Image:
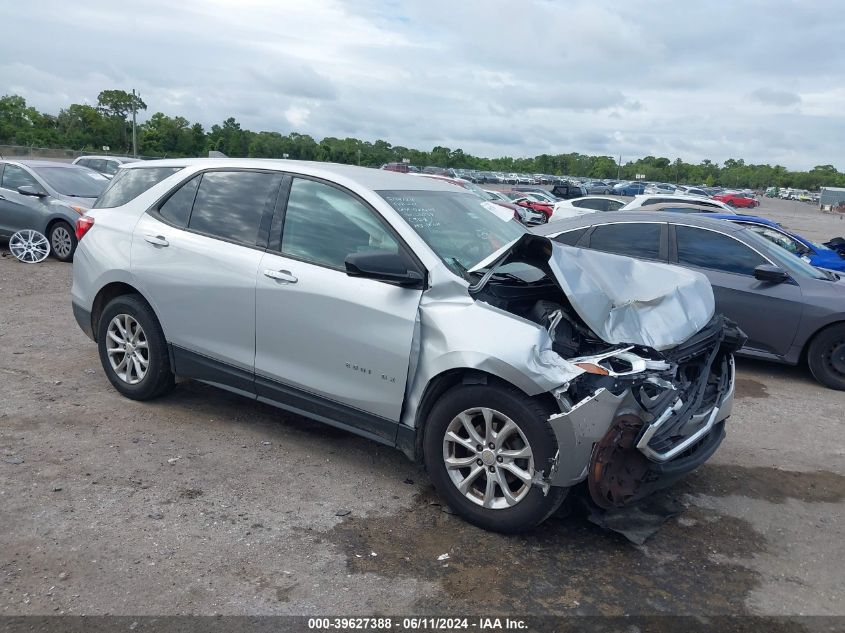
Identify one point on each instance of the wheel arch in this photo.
(52, 221)
(439, 385)
(107, 293)
(840, 321)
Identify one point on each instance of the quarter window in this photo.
(631, 239)
(230, 204)
(708, 249)
(324, 225)
(14, 177)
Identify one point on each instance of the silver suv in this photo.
(414, 314)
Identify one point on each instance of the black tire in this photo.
(62, 237)
(826, 357)
(159, 378)
(531, 416)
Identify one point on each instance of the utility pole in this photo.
(134, 137)
(619, 167)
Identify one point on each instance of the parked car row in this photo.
(512, 364)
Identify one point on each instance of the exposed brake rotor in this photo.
(617, 468)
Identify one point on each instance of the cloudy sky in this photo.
(760, 80)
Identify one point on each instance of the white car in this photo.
(692, 191)
(646, 200)
(660, 187)
(582, 206)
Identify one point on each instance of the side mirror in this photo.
(29, 190)
(772, 274)
(388, 267)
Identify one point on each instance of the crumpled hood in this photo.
(622, 300)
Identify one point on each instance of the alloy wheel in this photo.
(488, 458)
(127, 349)
(29, 246)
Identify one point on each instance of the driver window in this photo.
(779, 238)
(324, 225)
(14, 177)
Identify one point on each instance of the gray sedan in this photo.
(47, 197)
(789, 309)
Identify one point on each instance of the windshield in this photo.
(795, 266)
(459, 227)
(73, 181)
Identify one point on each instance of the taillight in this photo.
(83, 225)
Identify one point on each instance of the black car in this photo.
(568, 190)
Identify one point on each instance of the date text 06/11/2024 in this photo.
(428, 623)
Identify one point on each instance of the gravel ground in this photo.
(204, 502)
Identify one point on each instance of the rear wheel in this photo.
(826, 357)
(133, 350)
(483, 445)
(62, 241)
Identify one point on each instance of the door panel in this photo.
(768, 313)
(347, 339)
(18, 211)
(202, 289)
(344, 338)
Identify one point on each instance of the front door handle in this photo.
(158, 240)
(280, 275)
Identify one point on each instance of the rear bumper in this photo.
(83, 319)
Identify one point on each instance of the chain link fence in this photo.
(51, 153)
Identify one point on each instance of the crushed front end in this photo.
(641, 431)
(651, 369)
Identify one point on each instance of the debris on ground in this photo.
(443, 557)
(638, 522)
(343, 513)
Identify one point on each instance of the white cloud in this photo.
(697, 80)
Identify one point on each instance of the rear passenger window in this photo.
(631, 239)
(596, 204)
(230, 204)
(570, 238)
(324, 225)
(177, 208)
(131, 183)
(708, 249)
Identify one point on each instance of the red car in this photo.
(519, 197)
(737, 200)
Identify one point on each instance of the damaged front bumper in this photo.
(641, 431)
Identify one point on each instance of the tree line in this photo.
(84, 127)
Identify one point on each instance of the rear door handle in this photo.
(158, 240)
(280, 275)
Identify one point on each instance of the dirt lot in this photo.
(207, 503)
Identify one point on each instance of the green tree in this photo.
(117, 105)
